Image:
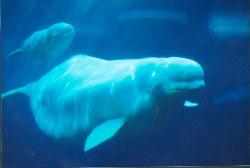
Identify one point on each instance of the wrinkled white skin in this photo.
(48, 44)
(84, 91)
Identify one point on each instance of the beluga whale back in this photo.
(90, 94)
(47, 44)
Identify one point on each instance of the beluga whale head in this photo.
(175, 76)
(50, 43)
(61, 32)
(181, 74)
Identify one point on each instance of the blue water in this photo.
(210, 134)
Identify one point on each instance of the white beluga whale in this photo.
(89, 94)
(47, 44)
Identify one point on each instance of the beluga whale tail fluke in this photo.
(47, 44)
(88, 94)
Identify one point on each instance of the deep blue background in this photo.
(207, 135)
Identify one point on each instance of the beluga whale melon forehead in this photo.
(90, 94)
(47, 44)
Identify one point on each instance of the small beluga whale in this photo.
(47, 44)
(90, 94)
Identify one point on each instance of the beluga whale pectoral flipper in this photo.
(90, 94)
(47, 44)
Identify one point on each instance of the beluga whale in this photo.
(47, 44)
(88, 94)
